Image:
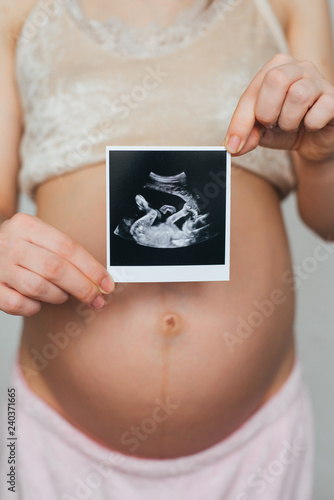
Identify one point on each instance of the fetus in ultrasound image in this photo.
(167, 215)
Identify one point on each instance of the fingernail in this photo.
(107, 286)
(98, 302)
(233, 144)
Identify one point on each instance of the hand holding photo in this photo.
(168, 214)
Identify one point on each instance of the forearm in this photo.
(316, 194)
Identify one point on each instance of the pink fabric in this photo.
(269, 457)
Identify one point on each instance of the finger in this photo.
(41, 234)
(59, 272)
(301, 96)
(34, 286)
(14, 303)
(243, 119)
(321, 114)
(242, 124)
(273, 91)
(276, 138)
(253, 140)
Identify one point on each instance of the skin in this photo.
(170, 341)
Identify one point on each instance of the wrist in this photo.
(314, 158)
(314, 171)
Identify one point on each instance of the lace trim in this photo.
(116, 36)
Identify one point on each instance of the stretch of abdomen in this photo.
(166, 369)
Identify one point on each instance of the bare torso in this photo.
(204, 353)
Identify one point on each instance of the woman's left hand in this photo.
(288, 105)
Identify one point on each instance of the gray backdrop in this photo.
(314, 329)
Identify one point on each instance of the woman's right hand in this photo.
(41, 264)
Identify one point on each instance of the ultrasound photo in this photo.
(168, 214)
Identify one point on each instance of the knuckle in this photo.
(281, 58)
(265, 119)
(286, 125)
(22, 220)
(13, 303)
(53, 268)
(16, 219)
(299, 93)
(308, 65)
(310, 125)
(276, 78)
(67, 247)
(328, 102)
(36, 286)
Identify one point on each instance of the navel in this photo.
(171, 325)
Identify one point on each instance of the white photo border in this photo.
(160, 274)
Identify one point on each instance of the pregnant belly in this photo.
(166, 369)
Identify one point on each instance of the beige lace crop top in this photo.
(86, 83)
